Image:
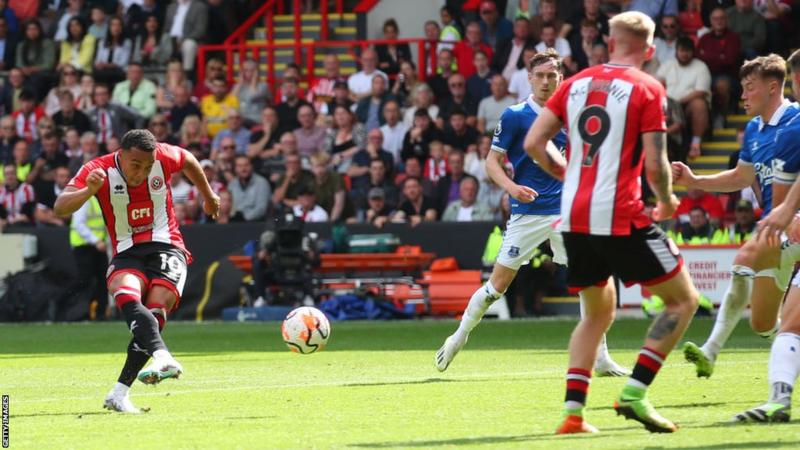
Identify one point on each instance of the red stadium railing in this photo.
(425, 49)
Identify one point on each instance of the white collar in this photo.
(534, 106)
(776, 116)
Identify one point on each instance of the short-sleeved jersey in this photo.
(759, 149)
(605, 109)
(786, 164)
(137, 214)
(509, 136)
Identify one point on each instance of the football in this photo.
(306, 330)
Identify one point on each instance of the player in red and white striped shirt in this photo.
(615, 119)
(148, 271)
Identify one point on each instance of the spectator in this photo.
(70, 117)
(113, 53)
(459, 135)
(109, 119)
(192, 134)
(391, 55)
(10, 17)
(584, 44)
(591, 11)
(423, 99)
(478, 84)
(750, 26)
(72, 144)
(146, 50)
(44, 126)
(405, 83)
(675, 131)
(174, 79)
(159, 126)
(341, 97)
(84, 100)
(689, 81)
(700, 198)
(99, 20)
(467, 208)
(67, 81)
(59, 28)
(431, 49)
(368, 110)
(307, 208)
(8, 46)
(36, 55)
(445, 62)
(27, 117)
(521, 8)
(215, 68)
(447, 190)
(547, 14)
(655, 9)
(216, 106)
(293, 181)
(475, 162)
(393, 131)
(22, 160)
(691, 18)
(17, 199)
(721, 51)
(458, 100)
(377, 212)
(666, 43)
(46, 196)
(413, 169)
(222, 20)
(495, 29)
(11, 90)
(89, 150)
(253, 93)
(225, 159)
(287, 110)
(745, 224)
(491, 194)
(551, 39)
(508, 58)
(321, 90)
(292, 71)
(491, 108)
(182, 107)
(464, 51)
(77, 49)
(226, 211)
(436, 165)
(266, 135)
(699, 231)
(377, 177)
(136, 92)
(195, 201)
(599, 55)
(519, 86)
(330, 188)
(451, 31)
(185, 27)
(360, 83)
(250, 192)
(361, 160)
(420, 136)
(239, 133)
(344, 139)
(180, 188)
(310, 137)
(8, 137)
(777, 18)
(415, 207)
(51, 158)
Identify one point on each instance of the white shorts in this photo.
(524, 233)
(790, 254)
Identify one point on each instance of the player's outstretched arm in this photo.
(72, 198)
(658, 172)
(729, 180)
(494, 168)
(536, 144)
(193, 171)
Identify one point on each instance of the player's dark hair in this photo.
(139, 139)
(793, 62)
(549, 25)
(685, 43)
(472, 178)
(770, 66)
(549, 55)
(588, 23)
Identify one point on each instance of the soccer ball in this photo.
(306, 330)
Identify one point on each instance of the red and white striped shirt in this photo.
(605, 109)
(26, 124)
(138, 214)
(14, 200)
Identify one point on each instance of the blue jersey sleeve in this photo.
(504, 132)
(786, 164)
(750, 134)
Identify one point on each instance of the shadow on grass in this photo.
(76, 414)
(733, 445)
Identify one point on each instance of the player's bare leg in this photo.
(599, 311)
(680, 298)
(160, 299)
(744, 285)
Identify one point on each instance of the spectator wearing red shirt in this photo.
(698, 197)
(721, 50)
(464, 51)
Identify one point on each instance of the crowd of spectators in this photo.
(384, 144)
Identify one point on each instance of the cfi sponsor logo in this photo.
(156, 183)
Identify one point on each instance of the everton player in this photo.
(148, 270)
(614, 115)
(535, 205)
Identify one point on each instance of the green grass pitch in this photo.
(375, 386)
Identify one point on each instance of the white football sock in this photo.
(736, 299)
(120, 390)
(478, 304)
(158, 354)
(784, 367)
(602, 349)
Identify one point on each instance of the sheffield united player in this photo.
(148, 269)
(614, 115)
